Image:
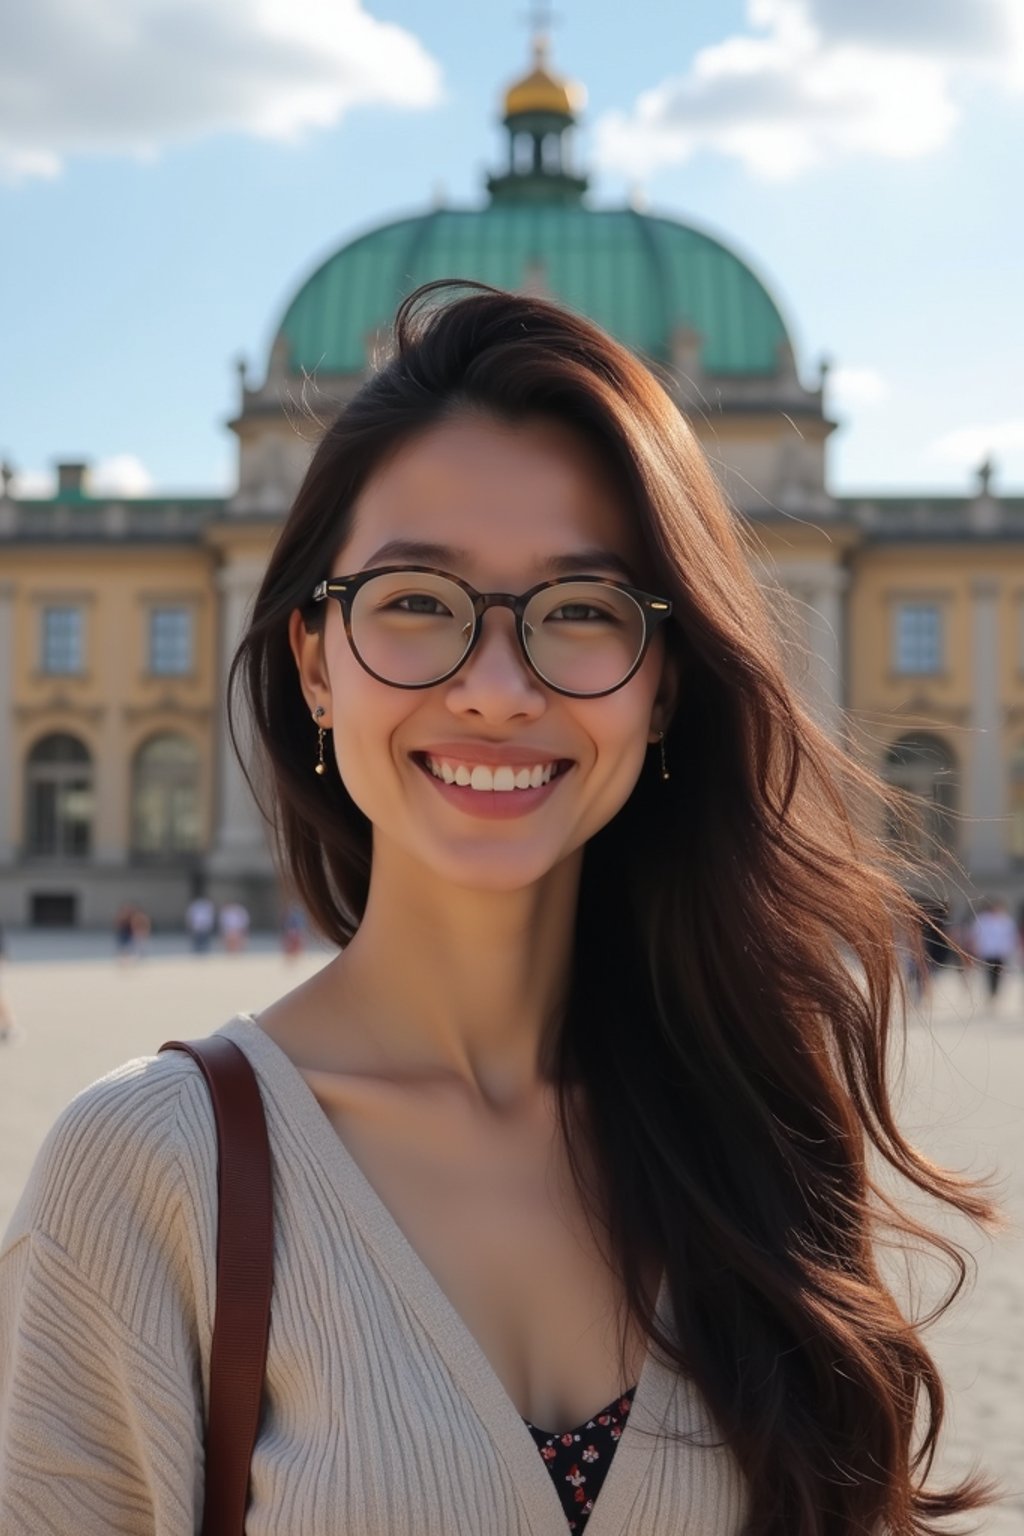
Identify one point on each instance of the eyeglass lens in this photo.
(412, 628)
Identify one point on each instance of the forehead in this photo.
(509, 495)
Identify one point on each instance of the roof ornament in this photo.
(541, 18)
(540, 110)
(986, 469)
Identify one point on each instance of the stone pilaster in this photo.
(986, 832)
(112, 789)
(826, 626)
(240, 845)
(7, 763)
(819, 589)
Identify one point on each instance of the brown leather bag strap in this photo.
(245, 1274)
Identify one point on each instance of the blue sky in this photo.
(169, 174)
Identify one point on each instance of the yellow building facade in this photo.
(118, 617)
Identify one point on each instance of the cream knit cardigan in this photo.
(382, 1415)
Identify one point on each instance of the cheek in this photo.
(618, 731)
(365, 715)
(625, 717)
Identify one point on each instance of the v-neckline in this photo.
(455, 1342)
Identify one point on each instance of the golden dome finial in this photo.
(542, 90)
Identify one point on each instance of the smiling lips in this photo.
(480, 776)
(492, 777)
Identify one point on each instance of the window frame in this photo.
(910, 653)
(49, 664)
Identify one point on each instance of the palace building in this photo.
(118, 617)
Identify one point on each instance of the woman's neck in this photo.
(461, 984)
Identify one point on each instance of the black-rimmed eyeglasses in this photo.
(413, 626)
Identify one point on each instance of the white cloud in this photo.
(851, 388)
(122, 474)
(34, 482)
(107, 77)
(966, 447)
(815, 80)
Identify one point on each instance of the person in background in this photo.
(8, 1031)
(961, 956)
(124, 931)
(200, 921)
(994, 941)
(912, 959)
(142, 927)
(234, 926)
(934, 951)
(937, 947)
(293, 930)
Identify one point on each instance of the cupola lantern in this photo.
(540, 113)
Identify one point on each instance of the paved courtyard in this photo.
(80, 1013)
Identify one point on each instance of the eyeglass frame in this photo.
(653, 611)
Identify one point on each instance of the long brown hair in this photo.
(735, 967)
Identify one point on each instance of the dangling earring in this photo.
(318, 715)
(664, 761)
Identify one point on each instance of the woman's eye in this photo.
(421, 603)
(581, 612)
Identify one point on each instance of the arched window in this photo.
(923, 766)
(59, 798)
(165, 797)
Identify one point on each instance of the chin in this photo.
(494, 868)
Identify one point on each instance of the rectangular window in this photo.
(62, 640)
(170, 641)
(918, 639)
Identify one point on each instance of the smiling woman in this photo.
(575, 1130)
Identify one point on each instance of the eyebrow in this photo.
(419, 553)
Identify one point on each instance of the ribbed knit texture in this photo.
(383, 1417)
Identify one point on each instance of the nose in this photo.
(496, 683)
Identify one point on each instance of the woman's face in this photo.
(498, 504)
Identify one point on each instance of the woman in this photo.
(570, 1141)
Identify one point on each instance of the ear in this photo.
(667, 696)
(307, 646)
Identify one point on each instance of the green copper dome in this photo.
(638, 276)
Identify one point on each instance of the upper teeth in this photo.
(482, 777)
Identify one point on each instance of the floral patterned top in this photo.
(579, 1459)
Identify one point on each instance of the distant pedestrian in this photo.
(961, 955)
(936, 923)
(124, 933)
(293, 930)
(200, 921)
(7, 1027)
(142, 927)
(994, 941)
(234, 926)
(912, 962)
(934, 950)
